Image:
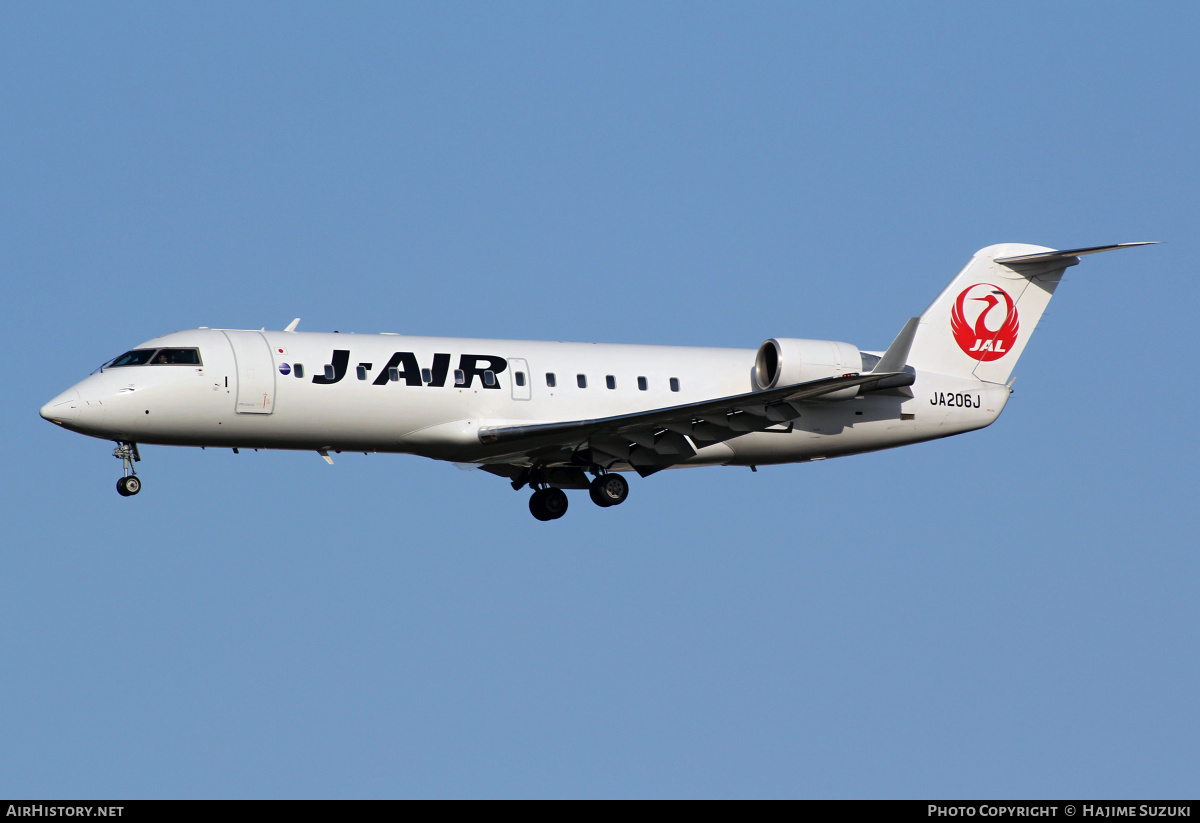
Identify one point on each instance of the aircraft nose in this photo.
(62, 409)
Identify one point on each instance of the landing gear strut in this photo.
(127, 453)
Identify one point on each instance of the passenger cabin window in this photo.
(610, 381)
(460, 377)
(362, 371)
(519, 377)
(394, 374)
(551, 381)
(329, 373)
(581, 380)
(489, 378)
(674, 384)
(298, 370)
(642, 386)
(426, 376)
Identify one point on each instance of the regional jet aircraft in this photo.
(554, 416)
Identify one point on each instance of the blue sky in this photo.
(1010, 613)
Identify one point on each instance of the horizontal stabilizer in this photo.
(1067, 254)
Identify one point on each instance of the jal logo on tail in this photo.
(984, 322)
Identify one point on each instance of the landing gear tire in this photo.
(127, 453)
(548, 504)
(608, 490)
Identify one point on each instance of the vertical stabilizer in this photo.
(980, 324)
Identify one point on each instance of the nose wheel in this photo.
(127, 453)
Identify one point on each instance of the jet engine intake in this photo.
(782, 361)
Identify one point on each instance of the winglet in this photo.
(896, 357)
(292, 326)
(1066, 254)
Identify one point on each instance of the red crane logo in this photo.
(981, 341)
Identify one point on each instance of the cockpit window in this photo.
(158, 357)
(137, 357)
(176, 357)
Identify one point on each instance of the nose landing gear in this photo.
(127, 453)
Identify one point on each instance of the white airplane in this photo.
(547, 415)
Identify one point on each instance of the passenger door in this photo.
(255, 372)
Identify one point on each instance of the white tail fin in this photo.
(980, 324)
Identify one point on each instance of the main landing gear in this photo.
(127, 453)
(608, 490)
(550, 503)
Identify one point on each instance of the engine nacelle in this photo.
(782, 361)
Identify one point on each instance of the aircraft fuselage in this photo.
(430, 396)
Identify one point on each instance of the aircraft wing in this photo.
(658, 438)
